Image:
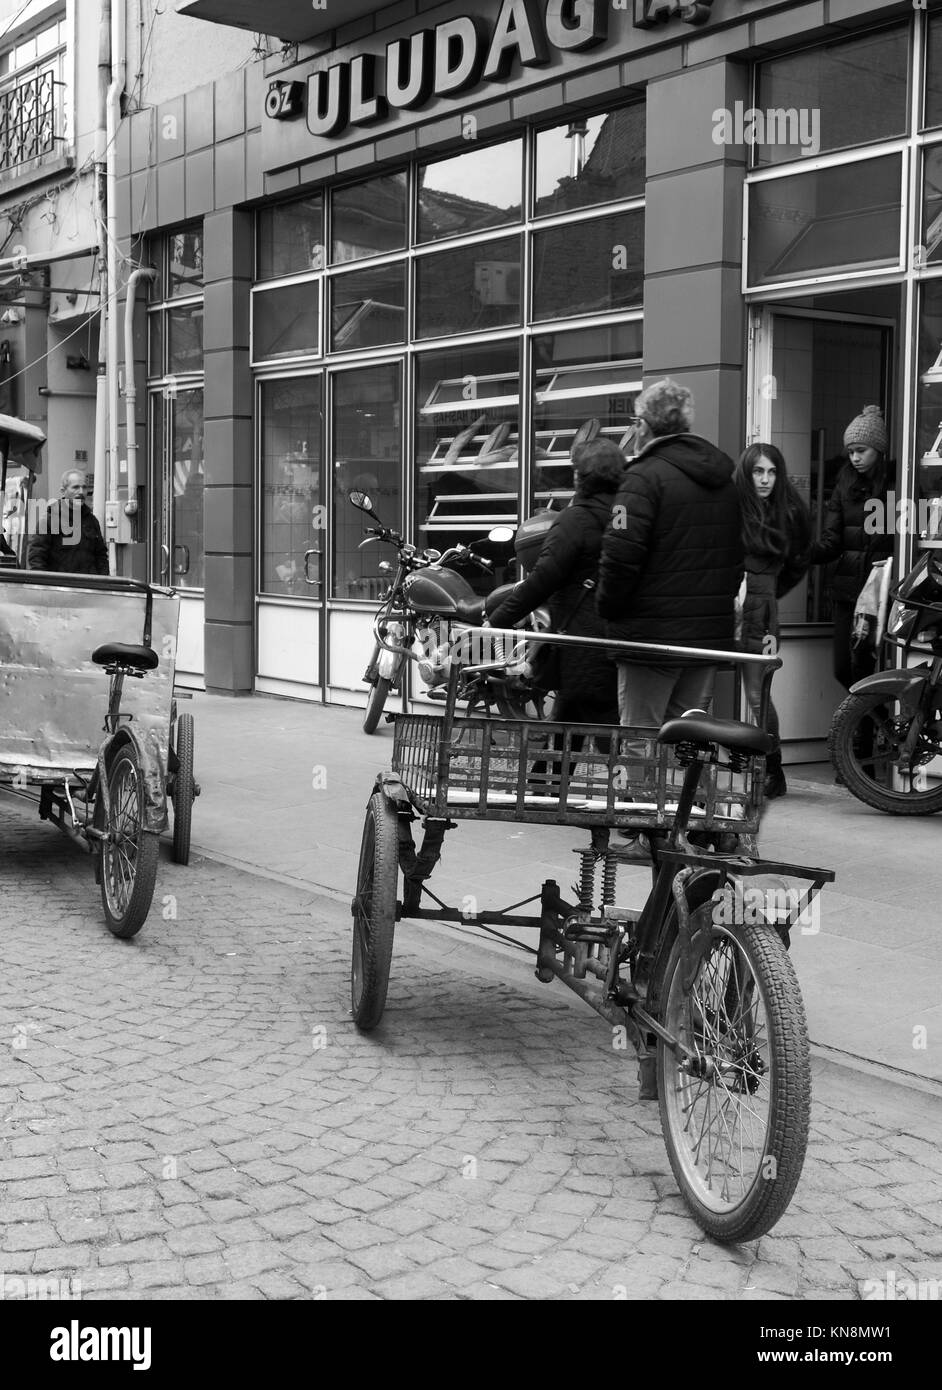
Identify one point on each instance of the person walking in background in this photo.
(776, 539)
(569, 559)
(672, 558)
(70, 541)
(846, 538)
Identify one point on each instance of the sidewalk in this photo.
(284, 785)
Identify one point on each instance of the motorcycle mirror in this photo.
(501, 535)
(362, 501)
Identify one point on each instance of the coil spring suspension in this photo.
(586, 887)
(739, 761)
(686, 753)
(609, 873)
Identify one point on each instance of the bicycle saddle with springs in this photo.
(697, 727)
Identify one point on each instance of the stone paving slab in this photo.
(192, 1114)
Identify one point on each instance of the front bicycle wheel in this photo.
(735, 1118)
(129, 853)
(374, 913)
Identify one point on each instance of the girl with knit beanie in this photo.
(848, 538)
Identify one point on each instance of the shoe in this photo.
(774, 785)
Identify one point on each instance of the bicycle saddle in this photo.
(118, 654)
(729, 733)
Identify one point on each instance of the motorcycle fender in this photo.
(906, 686)
(387, 665)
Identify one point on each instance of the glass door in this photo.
(177, 556)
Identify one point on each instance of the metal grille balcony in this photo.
(30, 120)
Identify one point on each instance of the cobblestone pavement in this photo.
(192, 1115)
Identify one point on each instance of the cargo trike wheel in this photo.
(374, 913)
(129, 854)
(735, 1118)
(184, 789)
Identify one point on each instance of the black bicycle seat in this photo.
(118, 654)
(728, 733)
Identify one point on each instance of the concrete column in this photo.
(228, 453)
(694, 316)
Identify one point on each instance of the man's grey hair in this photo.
(666, 407)
(72, 473)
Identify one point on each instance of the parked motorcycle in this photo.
(430, 606)
(889, 728)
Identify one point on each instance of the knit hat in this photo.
(867, 430)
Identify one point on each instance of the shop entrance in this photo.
(177, 517)
(815, 363)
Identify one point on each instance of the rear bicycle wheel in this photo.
(374, 913)
(184, 789)
(735, 1121)
(129, 855)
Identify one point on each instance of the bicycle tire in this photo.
(736, 1135)
(374, 913)
(128, 861)
(849, 722)
(184, 789)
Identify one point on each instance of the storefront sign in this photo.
(459, 54)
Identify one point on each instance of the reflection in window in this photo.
(854, 90)
(584, 387)
(467, 445)
(840, 219)
(185, 252)
(470, 193)
(368, 308)
(185, 339)
(291, 238)
(291, 487)
(369, 219)
(186, 433)
(468, 289)
(933, 113)
(366, 449)
(932, 206)
(592, 160)
(286, 321)
(589, 267)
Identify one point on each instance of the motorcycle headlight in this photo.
(897, 619)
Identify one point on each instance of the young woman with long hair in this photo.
(777, 543)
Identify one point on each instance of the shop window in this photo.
(472, 192)
(32, 96)
(291, 482)
(836, 220)
(468, 289)
(933, 108)
(853, 92)
(185, 263)
(368, 308)
(583, 382)
(467, 443)
(175, 312)
(931, 245)
(929, 416)
(591, 160)
(369, 219)
(291, 238)
(286, 321)
(589, 267)
(366, 448)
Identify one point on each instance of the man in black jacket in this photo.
(70, 539)
(672, 558)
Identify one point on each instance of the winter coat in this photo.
(569, 556)
(672, 556)
(770, 577)
(64, 551)
(844, 537)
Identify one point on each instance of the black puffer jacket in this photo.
(843, 536)
(672, 557)
(569, 556)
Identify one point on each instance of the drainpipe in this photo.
(115, 92)
(101, 146)
(130, 383)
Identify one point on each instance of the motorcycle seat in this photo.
(470, 610)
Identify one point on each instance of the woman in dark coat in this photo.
(587, 691)
(856, 533)
(776, 540)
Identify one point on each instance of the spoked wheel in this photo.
(184, 790)
(735, 1121)
(867, 737)
(374, 913)
(379, 693)
(129, 855)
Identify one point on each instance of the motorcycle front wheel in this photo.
(867, 735)
(379, 693)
